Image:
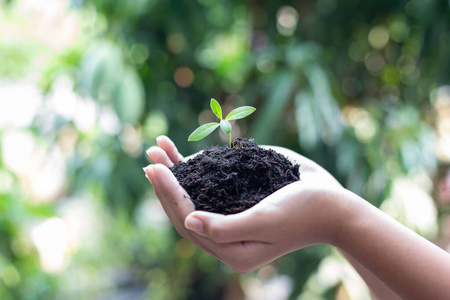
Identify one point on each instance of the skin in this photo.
(395, 262)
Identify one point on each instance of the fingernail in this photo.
(146, 175)
(194, 224)
(152, 174)
(160, 139)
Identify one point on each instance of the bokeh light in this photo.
(52, 239)
(378, 37)
(287, 19)
(176, 42)
(184, 77)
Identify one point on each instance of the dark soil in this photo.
(228, 181)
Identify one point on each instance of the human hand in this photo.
(303, 213)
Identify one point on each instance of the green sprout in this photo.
(235, 114)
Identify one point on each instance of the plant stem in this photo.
(230, 140)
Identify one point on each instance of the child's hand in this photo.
(303, 213)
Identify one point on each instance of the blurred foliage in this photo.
(346, 83)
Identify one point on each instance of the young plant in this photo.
(206, 129)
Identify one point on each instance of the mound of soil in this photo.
(230, 180)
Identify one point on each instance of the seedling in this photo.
(235, 114)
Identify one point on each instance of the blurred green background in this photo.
(361, 87)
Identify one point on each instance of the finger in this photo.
(170, 189)
(178, 222)
(170, 194)
(170, 201)
(263, 222)
(167, 145)
(244, 257)
(151, 176)
(250, 225)
(159, 156)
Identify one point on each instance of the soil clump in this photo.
(230, 180)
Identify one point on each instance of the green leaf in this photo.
(101, 69)
(215, 107)
(129, 99)
(268, 121)
(240, 112)
(203, 131)
(226, 126)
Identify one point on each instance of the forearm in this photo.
(408, 264)
(376, 286)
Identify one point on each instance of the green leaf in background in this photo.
(240, 112)
(101, 70)
(303, 54)
(226, 126)
(215, 107)
(326, 102)
(307, 119)
(265, 126)
(129, 98)
(203, 131)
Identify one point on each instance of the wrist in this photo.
(357, 219)
(348, 207)
(322, 216)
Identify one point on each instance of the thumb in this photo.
(245, 226)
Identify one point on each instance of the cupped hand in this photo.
(301, 214)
